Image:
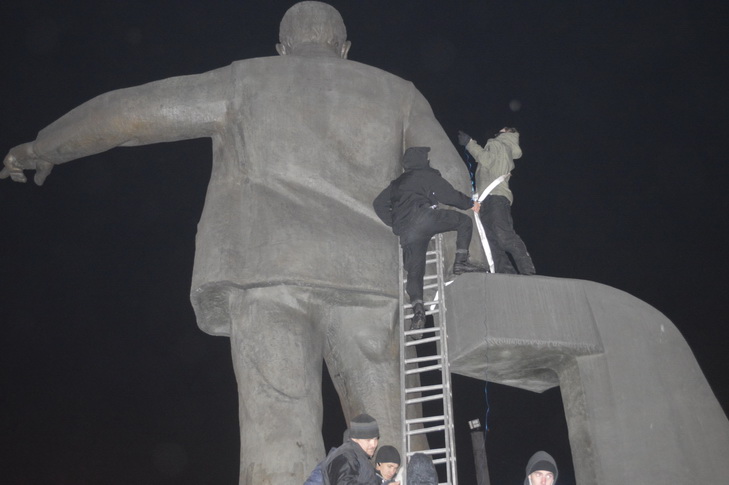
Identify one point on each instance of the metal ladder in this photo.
(425, 378)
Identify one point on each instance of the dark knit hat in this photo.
(387, 454)
(363, 427)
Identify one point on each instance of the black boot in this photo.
(418, 320)
(461, 265)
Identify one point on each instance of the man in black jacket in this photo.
(350, 463)
(410, 206)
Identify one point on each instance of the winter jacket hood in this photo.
(539, 461)
(415, 158)
(511, 140)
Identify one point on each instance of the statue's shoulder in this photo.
(256, 63)
(377, 72)
(243, 63)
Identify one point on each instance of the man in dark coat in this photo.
(409, 205)
(350, 463)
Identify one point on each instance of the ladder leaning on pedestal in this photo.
(425, 378)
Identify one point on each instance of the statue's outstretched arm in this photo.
(171, 109)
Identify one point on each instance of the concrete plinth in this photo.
(638, 407)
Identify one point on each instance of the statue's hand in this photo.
(22, 157)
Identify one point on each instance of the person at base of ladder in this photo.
(409, 205)
(350, 463)
(387, 464)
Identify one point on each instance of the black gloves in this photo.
(463, 138)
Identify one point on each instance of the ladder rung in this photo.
(422, 370)
(436, 387)
(430, 453)
(418, 360)
(435, 451)
(417, 400)
(428, 419)
(412, 343)
(420, 431)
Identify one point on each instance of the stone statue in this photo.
(291, 261)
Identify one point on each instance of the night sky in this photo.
(105, 376)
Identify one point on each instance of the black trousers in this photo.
(499, 227)
(425, 224)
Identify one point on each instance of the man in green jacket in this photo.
(495, 159)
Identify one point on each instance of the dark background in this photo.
(105, 376)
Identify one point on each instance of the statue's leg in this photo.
(362, 357)
(277, 357)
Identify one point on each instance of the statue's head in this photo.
(311, 29)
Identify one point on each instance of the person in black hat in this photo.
(350, 463)
(409, 205)
(541, 469)
(387, 463)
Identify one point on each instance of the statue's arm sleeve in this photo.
(168, 110)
